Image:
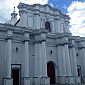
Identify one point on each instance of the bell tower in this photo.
(14, 14)
(13, 19)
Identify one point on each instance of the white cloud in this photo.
(76, 11)
(51, 4)
(6, 7)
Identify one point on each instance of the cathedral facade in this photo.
(39, 49)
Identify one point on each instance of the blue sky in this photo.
(74, 8)
(62, 4)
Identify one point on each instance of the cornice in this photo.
(15, 29)
(62, 41)
(80, 39)
(22, 30)
(81, 43)
(73, 38)
(39, 31)
(62, 35)
(50, 44)
(51, 35)
(23, 7)
(27, 6)
(57, 35)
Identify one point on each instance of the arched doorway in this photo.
(47, 26)
(16, 76)
(51, 72)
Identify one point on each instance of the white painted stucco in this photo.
(27, 43)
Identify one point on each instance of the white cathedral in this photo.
(39, 49)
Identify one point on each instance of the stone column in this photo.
(26, 61)
(8, 79)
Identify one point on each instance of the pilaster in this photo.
(69, 78)
(40, 60)
(37, 20)
(23, 17)
(27, 79)
(57, 25)
(61, 64)
(8, 80)
(9, 54)
(45, 80)
(53, 26)
(73, 57)
(37, 60)
(40, 54)
(82, 55)
(64, 60)
(67, 26)
(73, 61)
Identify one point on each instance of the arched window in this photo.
(47, 26)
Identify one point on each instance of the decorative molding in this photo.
(54, 11)
(9, 38)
